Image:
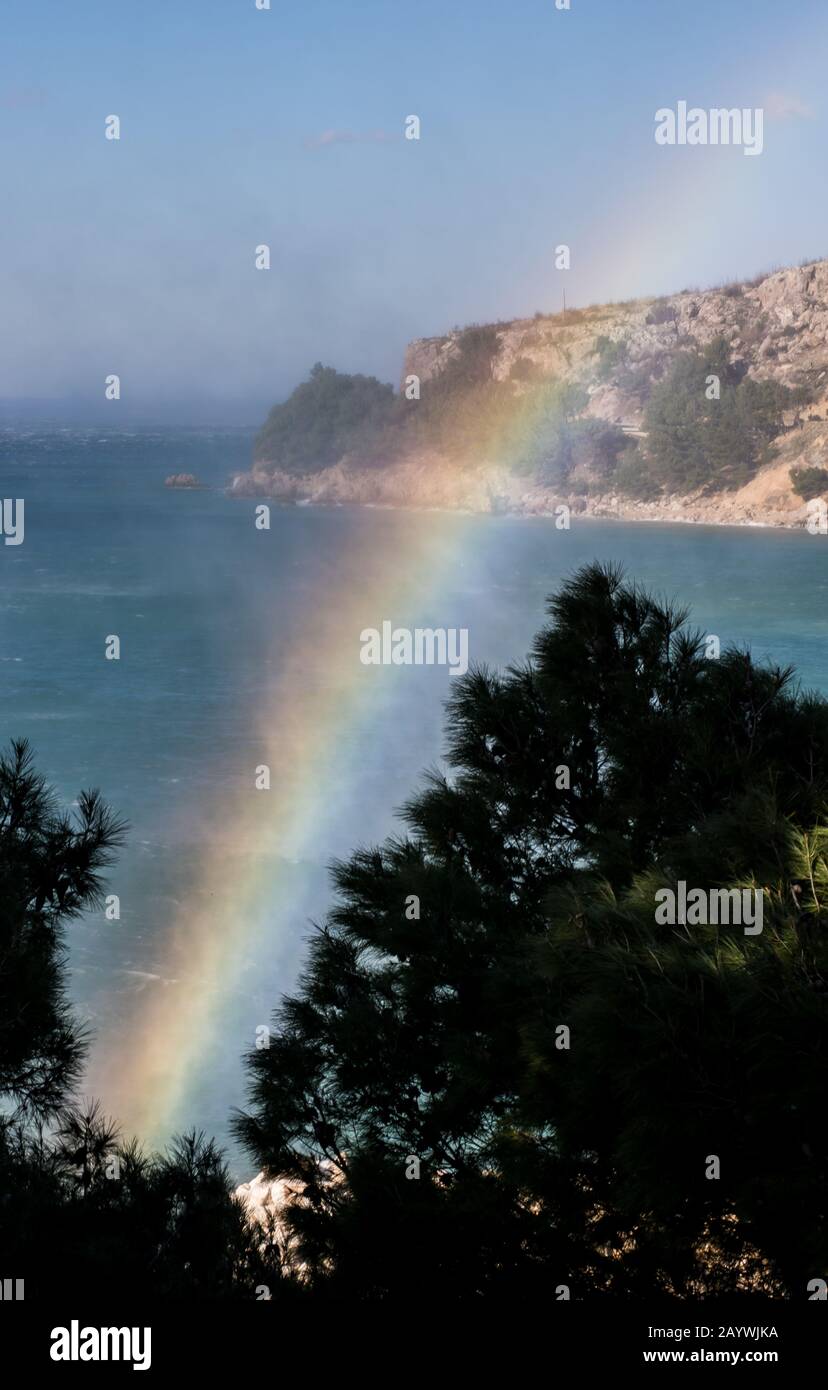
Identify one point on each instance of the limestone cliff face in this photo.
(776, 327)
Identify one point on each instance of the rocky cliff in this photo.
(775, 329)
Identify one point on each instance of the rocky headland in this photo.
(585, 408)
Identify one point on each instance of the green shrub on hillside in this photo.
(524, 369)
(633, 477)
(330, 415)
(808, 483)
(697, 442)
(662, 312)
(611, 354)
(473, 365)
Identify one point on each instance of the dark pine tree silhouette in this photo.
(50, 868)
(428, 1035)
(75, 1198)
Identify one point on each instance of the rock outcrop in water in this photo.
(182, 480)
(613, 359)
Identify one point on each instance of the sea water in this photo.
(211, 614)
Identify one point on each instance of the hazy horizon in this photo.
(194, 412)
(285, 128)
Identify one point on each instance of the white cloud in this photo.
(783, 106)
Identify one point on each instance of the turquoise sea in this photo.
(109, 550)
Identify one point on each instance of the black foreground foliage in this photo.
(81, 1209)
(439, 1039)
(439, 1133)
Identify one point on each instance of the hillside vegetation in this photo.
(688, 397)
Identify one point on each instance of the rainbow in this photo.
(144, 1066)
(148, 1063)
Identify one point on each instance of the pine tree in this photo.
(419, 1084)
(50, 872)
(74, 1196)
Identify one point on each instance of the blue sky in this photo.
(285, 127)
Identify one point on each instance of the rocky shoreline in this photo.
(776, 331)
(767, 501)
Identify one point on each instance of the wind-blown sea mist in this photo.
(241, 647)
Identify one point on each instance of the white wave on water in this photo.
(85, 591)
(143, 978)
(49, 716)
